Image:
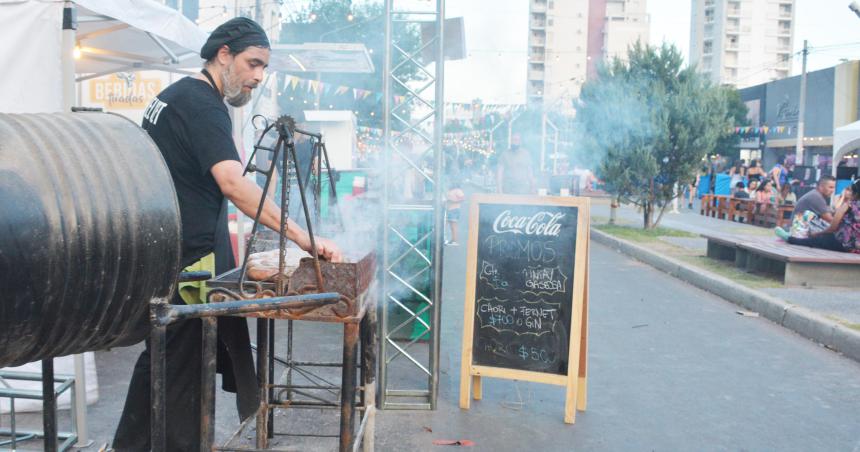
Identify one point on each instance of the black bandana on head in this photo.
(238, 34)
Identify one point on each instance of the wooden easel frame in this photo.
(576, 381)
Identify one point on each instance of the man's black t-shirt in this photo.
(190, 125)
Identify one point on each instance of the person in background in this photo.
(786, 195)
(755, 171)
(843, 234)
(779, 174)
(514, 173)
(737, 173)
(765, 195)
(692, 189)
(753, 186)
(453, 200)
(740, 192)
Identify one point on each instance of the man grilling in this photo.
(190, 124)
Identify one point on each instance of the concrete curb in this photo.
(803, 321)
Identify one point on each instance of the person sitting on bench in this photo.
(843, 234)
(817, 200)
(740, 192)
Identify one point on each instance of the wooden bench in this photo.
(750, 211)
(706, 205)
(716, 206)
(741, 210)
(792, 264)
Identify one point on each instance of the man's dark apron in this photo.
(234, 362)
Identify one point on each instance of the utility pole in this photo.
(801, 108)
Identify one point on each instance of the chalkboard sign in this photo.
(526, 292)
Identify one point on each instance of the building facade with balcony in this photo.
(558, 44)
(614, 26)
(742, 42)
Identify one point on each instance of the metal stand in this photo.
(359, 357)
(163, 314)
(48, 395)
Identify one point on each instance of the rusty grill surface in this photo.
(350, 279)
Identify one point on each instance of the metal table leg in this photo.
(270, 426)
(49, 405)
(263, 375)
(347, 394)
(158, 397)
(207, 386)
(368, 378)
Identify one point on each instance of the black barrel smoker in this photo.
(90, 249)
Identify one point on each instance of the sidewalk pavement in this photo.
(838, 304)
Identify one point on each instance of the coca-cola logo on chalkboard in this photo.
(541, 223)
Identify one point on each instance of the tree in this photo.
(648, 123)
(728, 144)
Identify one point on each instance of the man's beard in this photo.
(233, 93)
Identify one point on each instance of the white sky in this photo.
(496, 34)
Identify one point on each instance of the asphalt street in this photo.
(671, 368)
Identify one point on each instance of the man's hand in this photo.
(328, 250)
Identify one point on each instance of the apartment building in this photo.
(558, 46)
(613, 26)
(742, 42)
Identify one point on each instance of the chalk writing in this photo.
(490, 274)
(517, 316)
(543, 280)
(501, 247)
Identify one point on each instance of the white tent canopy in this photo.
(845, 139)
(112, 36)
(132, 35)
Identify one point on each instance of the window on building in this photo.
(549, 21)
(551, 4)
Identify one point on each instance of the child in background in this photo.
(453, 199)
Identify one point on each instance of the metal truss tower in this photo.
(412, 200)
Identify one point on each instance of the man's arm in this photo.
(822, 209)
(835, 220)
(246, 196)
